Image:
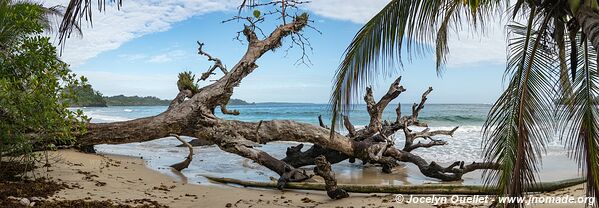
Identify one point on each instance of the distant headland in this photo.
(86, 96)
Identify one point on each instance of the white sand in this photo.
(124, 178)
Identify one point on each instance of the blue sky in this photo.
(141, 49)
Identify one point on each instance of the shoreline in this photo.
(125, 178)
(161, 153)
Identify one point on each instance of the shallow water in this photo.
(465, 145)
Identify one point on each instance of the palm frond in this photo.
(442, 49)
(10, 10)
(580, 121)
(520, 122)
(410, 25)
(75, 12)
(58, 11)
(560, 39)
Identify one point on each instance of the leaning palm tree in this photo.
(549, 42)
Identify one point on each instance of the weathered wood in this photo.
(323, 169)
(217, 63)
(406, 189)
(375, 109)
(185, 163)
(198, 143)
(426, 134)
(296, 158)
(349, 126)
(321, 123)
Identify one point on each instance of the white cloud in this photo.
(168, 56)
(136, 18)
(466, 49)
(133, 57)
(357, 11)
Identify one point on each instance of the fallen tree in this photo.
(191, 113)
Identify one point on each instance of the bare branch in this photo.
(394, 90)
(427, 134)
(224, 110)
(349, 126)
(416, 108)
(321, 123)
(217, 63)
(398, 112)
(182, 165)
(425, 145)
(375, 109)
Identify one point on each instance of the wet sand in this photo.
(123, 179)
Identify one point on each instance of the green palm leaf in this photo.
(36, 13)
(520, 122)
(580, 120)
(75, 11)
(410, 25)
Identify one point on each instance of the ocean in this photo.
(465, 145)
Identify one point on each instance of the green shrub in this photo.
(33, 114)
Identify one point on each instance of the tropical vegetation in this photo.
(32, 80)
(85, 96)
(121, 100)
(552, 55)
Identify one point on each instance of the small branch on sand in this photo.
(182, 165)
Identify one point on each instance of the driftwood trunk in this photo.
(192, 114)
(407, 189)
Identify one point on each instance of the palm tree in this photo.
(34, 12)
(549, 41)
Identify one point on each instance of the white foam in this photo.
(100, 118)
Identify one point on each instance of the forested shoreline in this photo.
(86, 96)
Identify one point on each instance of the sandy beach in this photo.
(127, 179)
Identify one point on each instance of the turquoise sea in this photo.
(465, 145)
